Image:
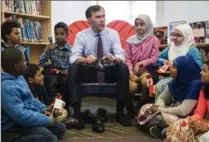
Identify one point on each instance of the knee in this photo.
(51, 138)
(61, 129)
(122, 68)
(132, 87)
(73, 69)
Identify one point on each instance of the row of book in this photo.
(30, 30)
(200, 31)
(23, 6)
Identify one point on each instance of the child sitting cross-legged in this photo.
(21, 112)
(35, 79)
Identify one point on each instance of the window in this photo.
(127, 10)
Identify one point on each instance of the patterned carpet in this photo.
(113, 131)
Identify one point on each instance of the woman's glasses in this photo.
(177, 35)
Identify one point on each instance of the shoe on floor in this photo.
(156, 132)
(123, 120)
(81, 123)
(88, 117)
(98, 125)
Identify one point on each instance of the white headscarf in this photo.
(137, 39)
(176, 51)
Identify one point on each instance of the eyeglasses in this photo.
(177, 35)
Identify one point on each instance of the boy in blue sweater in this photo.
(21, 112)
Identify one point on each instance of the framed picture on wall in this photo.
(174, 24)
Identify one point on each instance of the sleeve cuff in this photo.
(144, 63)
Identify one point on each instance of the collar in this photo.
(95, 34)
(66, 46)
(6, 45)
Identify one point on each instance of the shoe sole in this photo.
(152, 134)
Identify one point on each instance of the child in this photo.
(21, 112)
(58, 53)
(141, 51)
(182, 43)
(180, 97)
(11, 37)
(35, 79)
(198, 122)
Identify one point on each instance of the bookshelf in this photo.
(36, 48)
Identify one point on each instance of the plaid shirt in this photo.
(59, 57)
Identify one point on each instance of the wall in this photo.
(166, 11)
(68, 11)
(181, 10)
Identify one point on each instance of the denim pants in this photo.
(40, 134)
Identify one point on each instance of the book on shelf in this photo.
(207, 31)
(162, 34)
(23, 6)
(198, 29)
(30, 30)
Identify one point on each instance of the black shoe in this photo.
(123, 120)
(131, 111)
(102, 113)
(88, 117)
(99, 65)
(98, 125)
(81, 122)
(156, 132)
(71, 123)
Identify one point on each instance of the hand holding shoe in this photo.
(99, 65)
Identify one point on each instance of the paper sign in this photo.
(149, 80)
(163, 68)
(59, 104)
(54, 71)
(150, 85)
(152, 90)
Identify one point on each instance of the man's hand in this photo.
(80, 60)
(109, 58)
(136, 68)
(90, 59)
(51, 46)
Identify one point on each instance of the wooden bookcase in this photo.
(36, 48)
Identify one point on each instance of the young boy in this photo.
(58, 53)
(35, 79)
(11, 37)
(21, 112)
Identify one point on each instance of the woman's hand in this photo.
(133, 78)
(136, 68)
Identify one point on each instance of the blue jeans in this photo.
(41, 134)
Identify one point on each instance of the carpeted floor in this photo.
(113, 131)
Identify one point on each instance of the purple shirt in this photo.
(147, 52)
